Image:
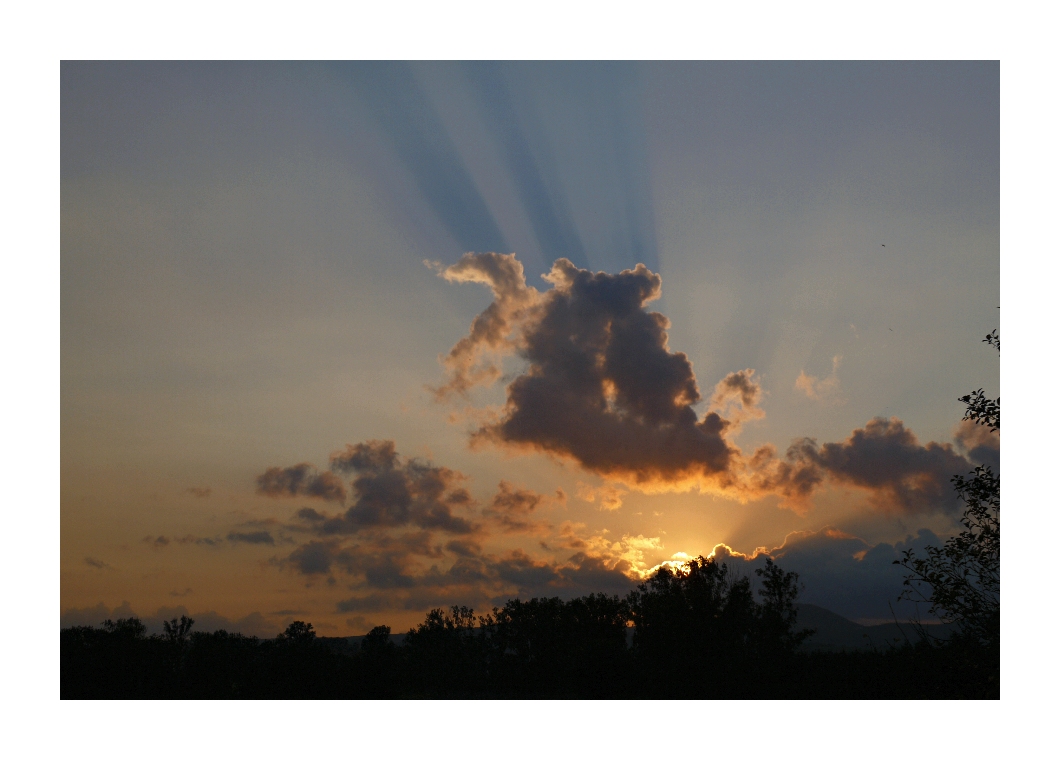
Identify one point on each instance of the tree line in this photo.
(694, 632)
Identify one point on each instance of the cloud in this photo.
(840, 572)
(301, 480)
(400, 567)
(888, 460)
(737, 396)
(390, 491)
(824, 389)
(253, 537)
(495, 329)
(484, 581)
(884, 458)
(160, 542)
(97, 564)
(378, 560)
(979, 442)
(199, 493)
(602, 387)
(607, 496)
(512, 508)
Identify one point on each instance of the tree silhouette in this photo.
(778, 613)
(298, 632)
(176, 631)
(961, 580)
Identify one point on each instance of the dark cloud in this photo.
(97, 564)
(199, 493)
(315, 557)
(602, 387)
(512, 509)
(379, 560)
(391, 491)
(301, 480)
(482, 582)
(887, 459)
(371, 456)
(392, 568)
(841, 572)
(159, 542)
(463, 547)
(254, 537)
(486, 581)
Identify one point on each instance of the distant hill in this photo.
(835, 632)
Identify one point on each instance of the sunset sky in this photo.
(345, 342)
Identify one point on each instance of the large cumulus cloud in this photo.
(601, 387)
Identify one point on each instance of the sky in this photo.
(345, 342)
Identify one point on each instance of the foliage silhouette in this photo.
(176, 631)
(702, 622)
(298, 633)
(961, 580)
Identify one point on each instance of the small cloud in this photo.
(301, 480)
(979, 442)
(199, 492)
(185, 592)
(512, 507)
(737, 397)
(607, 496)
(824, 389)
(255, 537)
(159, 542)
(359, 623)
(98, 564)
